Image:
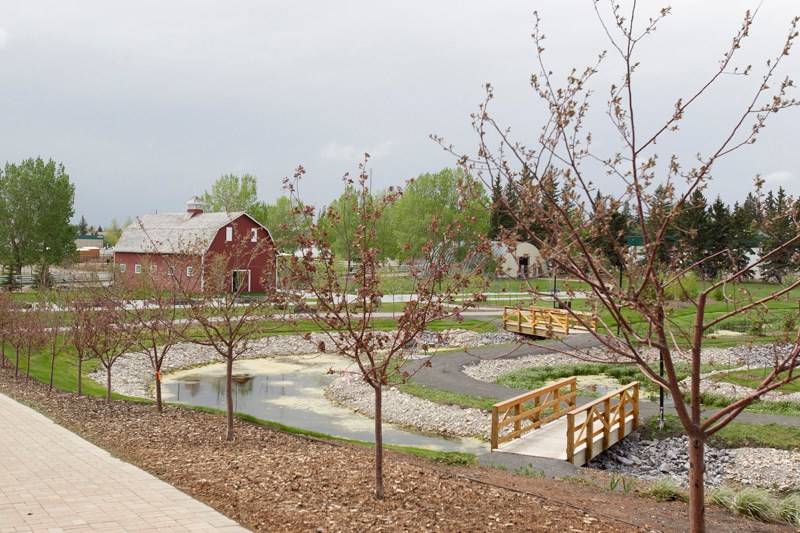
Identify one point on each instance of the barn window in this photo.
(254, 238)
(189, 271)
(170, 271)
(153, 268)
(122, 267)
(228, 234)
(137, 269)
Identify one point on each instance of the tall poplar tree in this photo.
(36, 205)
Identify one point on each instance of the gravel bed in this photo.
(764, 467)
(406, 410)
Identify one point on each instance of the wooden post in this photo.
(517, 422)
(495, 429)
(607, 425)
(573, 387)
(636, 405)
(570, 437)
(589, 433)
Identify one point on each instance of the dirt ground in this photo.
(271, 481)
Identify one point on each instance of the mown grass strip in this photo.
(446, 397)
(734, 435)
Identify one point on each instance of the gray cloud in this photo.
(147, 103)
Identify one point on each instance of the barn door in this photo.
(240, 281)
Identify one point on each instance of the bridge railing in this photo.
(547, 320)
(604, 418)
(531, 410)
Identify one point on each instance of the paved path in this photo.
(447, 373)
(51, 481)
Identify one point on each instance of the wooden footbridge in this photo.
(548, 423)
(547, 322)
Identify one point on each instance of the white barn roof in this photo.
(172, 233)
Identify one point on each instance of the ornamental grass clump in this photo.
(722, 497)
(789, 509)
(667, 490)
(754, 503)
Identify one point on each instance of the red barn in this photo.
(182, 247)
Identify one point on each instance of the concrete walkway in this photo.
(51, 481)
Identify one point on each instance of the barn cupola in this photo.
(194, 205)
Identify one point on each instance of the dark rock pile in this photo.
(650, 460)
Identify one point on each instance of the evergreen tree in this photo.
(742, 238)
(778, 228)
(83, 227)
(691, 230)
(720, 238)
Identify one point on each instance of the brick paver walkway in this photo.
(51, 481)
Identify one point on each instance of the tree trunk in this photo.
(80, 371)
(108, 384)
(159, 404)
(378, 441)
(52, 371)
(28, 364)
(229, 395)
(697, 467)
(3, 353)
(16, 363)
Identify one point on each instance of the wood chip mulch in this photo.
(271, 481)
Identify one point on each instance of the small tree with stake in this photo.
(220, 318)
(573, 225)
(347, 303)
(5, 323)
(55, 322)
(157, 326)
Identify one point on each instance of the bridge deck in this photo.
(548, 441)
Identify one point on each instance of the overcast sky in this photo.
(147, 103)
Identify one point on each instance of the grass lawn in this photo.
(734, 435)
(446, 397)
(536, 377)
(753, 377)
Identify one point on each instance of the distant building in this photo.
(522, 260)
(178, 248)
(89, 241)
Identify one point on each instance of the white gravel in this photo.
(410, 411)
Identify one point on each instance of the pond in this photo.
(289, 390)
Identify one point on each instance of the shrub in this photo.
(756, 327)
(717, 294)
(686, 288)
(754, 503)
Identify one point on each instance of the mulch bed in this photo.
(272, 481)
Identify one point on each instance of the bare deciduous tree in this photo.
(347, 300)
(157, 322)
(571, 218)
(54, 322)
(5, 323)
(222, 318)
